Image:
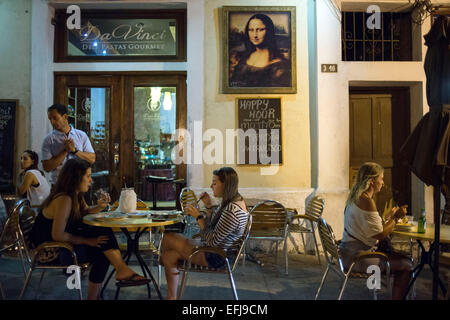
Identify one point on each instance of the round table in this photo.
(425, 256)
(138, 226)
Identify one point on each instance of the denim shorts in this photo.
(214, 260)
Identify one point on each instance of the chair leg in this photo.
(39, 284)
(322, 281)
(303, 241)
(183, 282)
(27, 281)
(343, 288)
(315, 241)
(230, 276)
(286, 255)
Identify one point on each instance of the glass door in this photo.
(158, 110)
(130, 119)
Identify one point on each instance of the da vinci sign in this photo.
(145, 35)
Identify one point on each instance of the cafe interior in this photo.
(155, 86)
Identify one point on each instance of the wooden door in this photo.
(112, 95)
(371, 138)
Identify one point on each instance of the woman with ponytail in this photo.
(364, 227)
(222, 227)
(33, 185)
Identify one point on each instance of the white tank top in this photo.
(37, 195)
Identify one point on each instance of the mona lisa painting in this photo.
(259, 50)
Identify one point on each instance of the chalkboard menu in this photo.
(7, 138)
(259, 121)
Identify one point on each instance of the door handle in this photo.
(116, 155)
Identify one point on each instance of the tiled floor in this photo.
(253, 282)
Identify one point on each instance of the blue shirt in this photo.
(54, 144)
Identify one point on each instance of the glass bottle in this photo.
(422, 223)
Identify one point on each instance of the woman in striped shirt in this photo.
(221, 228)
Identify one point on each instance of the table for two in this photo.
(425, 256)
(138, 226)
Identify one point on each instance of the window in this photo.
(392, 42)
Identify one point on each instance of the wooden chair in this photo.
(46, 255)
(234, 253)
(330, 248)
(312, 215)
(270, 223)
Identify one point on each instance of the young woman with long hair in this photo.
(60, 219)
(364, 227)
(222, 228)
(33, 185)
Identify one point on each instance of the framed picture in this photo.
(259, 50)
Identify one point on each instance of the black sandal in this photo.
(133, 280)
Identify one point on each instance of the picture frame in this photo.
(259, 49)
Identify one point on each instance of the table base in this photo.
(133, 248)
(426, 257)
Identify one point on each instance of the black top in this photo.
(42, 229)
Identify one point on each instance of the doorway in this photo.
(130, 118)
(379, 125)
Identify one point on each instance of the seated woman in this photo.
(363, 228)
(221, 228)
(60, 219)
(34, 186)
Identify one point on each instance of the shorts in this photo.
(214, 260)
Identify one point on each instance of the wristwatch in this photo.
(200, 217)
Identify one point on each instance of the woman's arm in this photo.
(28, 180)
(62, 207)
(389, 225)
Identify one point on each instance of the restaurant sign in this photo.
(128, 35)
(115, 37)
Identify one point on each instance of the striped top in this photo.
(225, 228)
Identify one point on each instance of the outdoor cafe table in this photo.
(138, 226)
(425, 256)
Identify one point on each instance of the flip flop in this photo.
(133, 280)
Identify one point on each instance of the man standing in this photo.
(63, 143)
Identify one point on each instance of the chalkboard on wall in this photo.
(7, 140)
(259, 140)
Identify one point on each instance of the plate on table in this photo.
(164, 215)
(113, 216)
(137, 214)
(403, 227)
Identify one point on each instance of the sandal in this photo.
(133, 280)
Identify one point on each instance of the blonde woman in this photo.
(363, 227)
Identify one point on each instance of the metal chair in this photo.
(234, 252)
(188, 197)
(270, 222)
(330, 248)
(312, 214)
(45, 256)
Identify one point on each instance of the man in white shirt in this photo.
(63, 143)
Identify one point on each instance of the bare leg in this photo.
(123, 271)
(93, 290)
(402, 268)
(175, 248)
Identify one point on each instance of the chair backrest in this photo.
(329, 244)
(27, 217)
(187, 197)
(315, 207)
(269, 219)
(239, 247)
(10, 232)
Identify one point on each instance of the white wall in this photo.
(15, 23)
